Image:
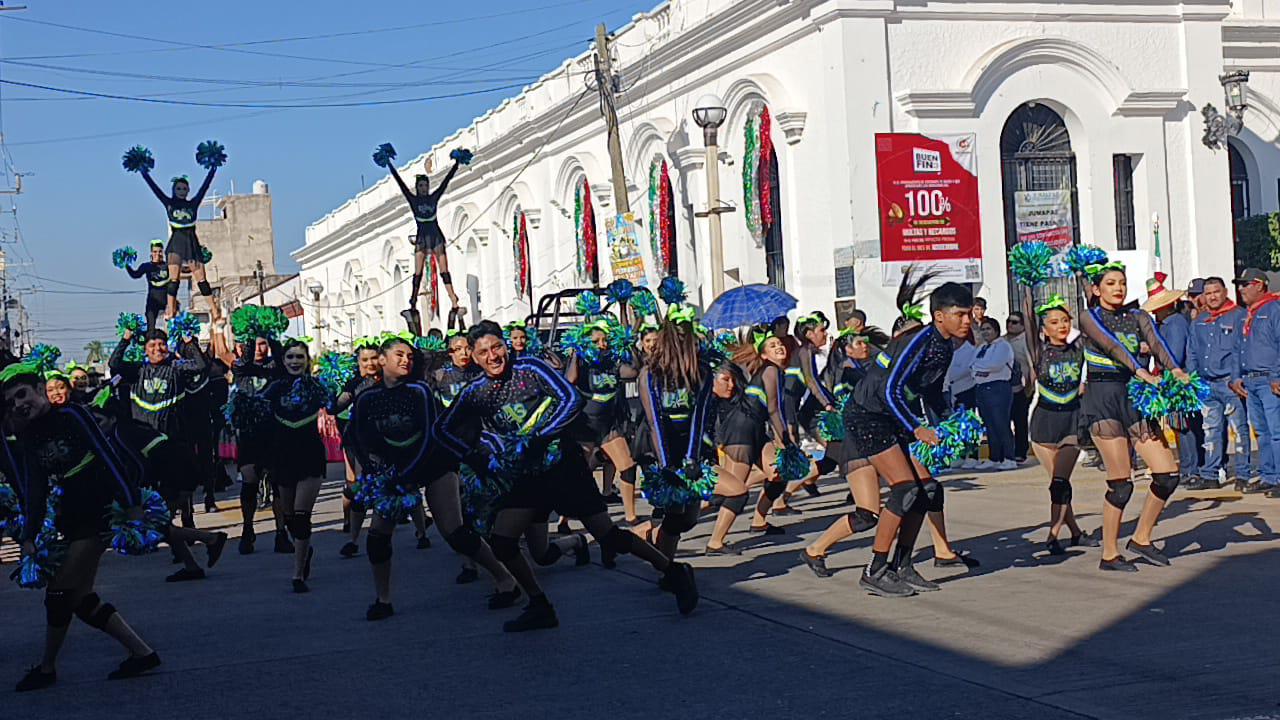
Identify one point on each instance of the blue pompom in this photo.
(10, 510)
(36, 570)
(183, 326)
(958, 435)
(830, 426)
(122, 257)
(139, 537)
(622, 342)
(462, 155)
(1182, 397)
(587, 303)
(792, 463)
(522, 456)
(130, 321)
(383, 156)
(672, 290)
(210, 154)
(391, 500)
(335, 370)
(246, 411)
(676, 486)
(45, 357)
(643, 303)
(1147, 399)
(620, 291)
(138, 159)
(206, 255)
(1031, 263)
(1080, 257)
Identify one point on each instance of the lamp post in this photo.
(709, 113)
(1218, 127)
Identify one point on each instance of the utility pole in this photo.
(262, 283)
(605, 85)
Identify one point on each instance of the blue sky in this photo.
(78, 204)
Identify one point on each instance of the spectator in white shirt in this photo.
(992, 367)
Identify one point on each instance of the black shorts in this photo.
(298, 456)
(184, 244)
(869, 434)
(1051, 425)
(568, 488)
(429, 239)
(1106, 402)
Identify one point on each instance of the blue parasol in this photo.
(747, 305)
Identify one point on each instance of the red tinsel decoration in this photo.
(435, 286)
(666, 224)
(765, 171)
(589, 236)
(525, 285)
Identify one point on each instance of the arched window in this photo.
(1239, 183)
(762, 193)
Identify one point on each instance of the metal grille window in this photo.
(1126, 225)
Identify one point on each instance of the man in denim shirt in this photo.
(1214, 352)
(1259, 381)
(1174, 324)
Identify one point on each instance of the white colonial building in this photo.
(1098, 98)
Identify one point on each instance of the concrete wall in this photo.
(241, 236)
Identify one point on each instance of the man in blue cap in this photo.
(1214, 353)
(1259, 381)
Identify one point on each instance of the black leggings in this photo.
(157, 301)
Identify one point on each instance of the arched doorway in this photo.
(1038, 171)
(762, 193)
(1239, 183)
(473, 278)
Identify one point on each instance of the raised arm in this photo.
(444, 184)
(204, 187)
(155, 189)
(395, 174)
(1031, 321)
(118, 365)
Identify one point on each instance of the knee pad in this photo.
(862, 519)
(464, 541)
(933, 495)
(735, 504)
(678, 523)
(299, 524)
(774, 490)
(205, 288)
(1060, 491)
(172, 288)
(825, 465)
(95, 613)
(57, 607)
(900, 498)
(504, 548)
(446, 278)
(1118, 493)
(1163, 484)
(549, 557)
(618, 541)
(378, 547)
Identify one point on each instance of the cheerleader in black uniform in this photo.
(814, 397)
(738, 423)
(297, 458)
(527, 402)
(1114, 331)
(57, 387)
(184, 249)
(1057, 364)
(852, 353)
(369, 374)
(391, 430)
(65, 447)
(600, 381)
(425, 205)
(157, 274)
(880, 424)
(641, 443)
(675, 393)
(768, 379)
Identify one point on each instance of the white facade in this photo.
(1126, 77)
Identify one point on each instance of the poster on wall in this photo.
(928, 204)
(1044, 216)
(624, 249)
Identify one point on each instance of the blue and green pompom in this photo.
(306, 392)
(182, 327)
(462, 156)
(677, 486)
(672, 290)
(622, 342)
(45, 357)
(1079, 257)
(335, 370)
(831, 426)
(124, 257)
(246, 411)
(36, 570)
(430, 344)
(1032, 263)
(587, 303)
(206, 255)
(384, 155)
(480, 494)
(643, 303)
(390, 500)
(139, 537)
(792, 463)
(1171, 395)
(522, 456)
(131, 322)
(619, 291)
(958, 436)
(250, 322)
(210, 154)
(10, 511)
(138, 159)
(1147, 399)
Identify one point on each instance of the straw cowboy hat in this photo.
(1159, 296)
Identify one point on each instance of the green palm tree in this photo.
(94, 352)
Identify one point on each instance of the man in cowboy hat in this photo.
(1214, 353)
(1175, 328)
(1259, 381)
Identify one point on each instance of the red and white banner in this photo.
(928, 202)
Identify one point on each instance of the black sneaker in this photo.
(767, 529)
(1256, 487)
(1148, 553)
(467, 576)
(132, 667)
(210, 505)
(536, 616)
(215, 548)
(811, 490)
(725, 549)
(1117, 564)
(283, 545)
(300, 587)
(379, 611)
(786, 510)
(349, 550)
(817, 564)
(909, 576)
(613, 499)
(1085, 540)
(1055, 547)
(36, 679)
(582, 552)
(503, 599)
(960, 560)
(424, 542)
(683, 585)
(885, 583)
(608, 558)
(246, 543)
(185, 574)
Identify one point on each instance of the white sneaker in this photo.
(985, 465)
(1007, 465)
(969, 464)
